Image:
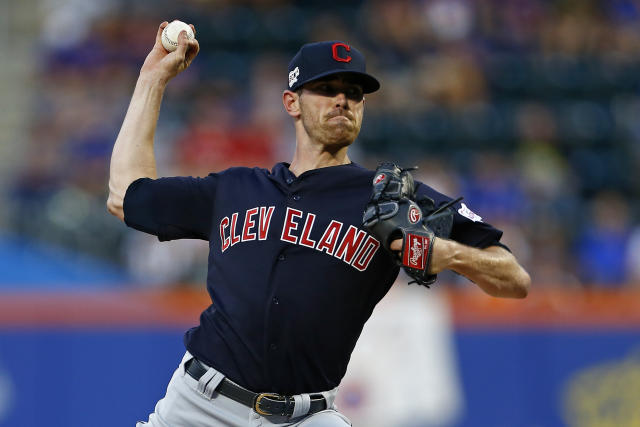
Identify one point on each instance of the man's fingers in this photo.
(396, 245)
(183, 44)
(187, 48)
(194, 48)
(193, 29)
(159, 35)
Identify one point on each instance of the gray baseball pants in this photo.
(191, 403)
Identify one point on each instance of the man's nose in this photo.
(341, 100)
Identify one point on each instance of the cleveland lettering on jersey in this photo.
(355, 247)
(249, 223)
(308, 225)
(290, 225)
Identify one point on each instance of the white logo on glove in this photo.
(415, 215)
(416, 252)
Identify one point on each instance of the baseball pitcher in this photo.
(300, 254)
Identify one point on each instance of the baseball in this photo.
(170, 34)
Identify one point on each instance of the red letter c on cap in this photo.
(334, 49)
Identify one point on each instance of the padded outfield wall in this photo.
(450, 358)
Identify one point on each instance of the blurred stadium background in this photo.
(530, 109)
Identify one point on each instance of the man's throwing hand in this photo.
(165, 65)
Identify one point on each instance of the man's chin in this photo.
(344, 133)
(340, 142)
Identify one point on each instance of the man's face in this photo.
(331, 110)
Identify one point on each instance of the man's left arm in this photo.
(494, 269)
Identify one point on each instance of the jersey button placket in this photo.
(274, 315)
(297, 197)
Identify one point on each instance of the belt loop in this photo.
(301, 406)
(187, 356)
(330, 397)
(208, 383)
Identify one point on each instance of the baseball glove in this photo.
(394, 213)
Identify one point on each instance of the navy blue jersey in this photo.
(293, 276)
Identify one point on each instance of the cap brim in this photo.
(369, 83)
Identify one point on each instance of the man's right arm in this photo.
(132, 155)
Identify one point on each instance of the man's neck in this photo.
(316, 157)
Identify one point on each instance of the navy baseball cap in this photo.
(317, 60)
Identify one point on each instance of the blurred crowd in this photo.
(530, 109)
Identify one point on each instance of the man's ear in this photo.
(291, 102)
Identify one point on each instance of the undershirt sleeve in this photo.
(171, 208)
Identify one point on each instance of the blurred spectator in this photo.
(601, 247)
(450, 78)
(493, 187)
(157, 265)
(214, 141)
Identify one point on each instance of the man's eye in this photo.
(354, 93)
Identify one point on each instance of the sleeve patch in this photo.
(468, 213)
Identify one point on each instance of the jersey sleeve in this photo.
(171, 208)
(468, 227)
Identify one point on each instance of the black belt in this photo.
(262, 403)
